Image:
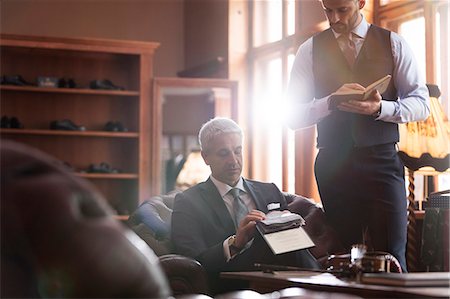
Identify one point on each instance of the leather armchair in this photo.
(152, 220)
(59, 237)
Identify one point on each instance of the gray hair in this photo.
(215, 127)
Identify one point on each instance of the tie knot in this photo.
(235, 192)
(347, 38)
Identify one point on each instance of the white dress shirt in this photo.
(412, 104)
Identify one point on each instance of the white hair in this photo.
(215, 127)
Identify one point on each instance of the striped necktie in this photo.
(349, 48)
(239, 208)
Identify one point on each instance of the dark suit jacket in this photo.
(201, 222)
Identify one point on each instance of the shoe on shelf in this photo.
(15, 123)
(66, 125)
(5, 122)
(102, 168)
(114, 126)
(66, 83)
(45, 81)
(12, 123)
(14, 80)
(104, 84)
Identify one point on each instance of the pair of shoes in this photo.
(115, 126)
(14, 80)
(10, 123)
(66, 83)
(104, 84)
(43, 81)
(102, 168)
(66, 125)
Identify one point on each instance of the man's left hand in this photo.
(370, 106)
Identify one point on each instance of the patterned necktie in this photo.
(349, 49)
(239, 208)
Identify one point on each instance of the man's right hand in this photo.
(247, 227)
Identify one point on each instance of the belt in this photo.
(376, 147)
(371, 148)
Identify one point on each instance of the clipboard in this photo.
(284, 233)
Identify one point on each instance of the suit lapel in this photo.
(258, 197)
(214, 201)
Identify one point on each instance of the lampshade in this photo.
(194, 171)
(424, 143)
(427, 143)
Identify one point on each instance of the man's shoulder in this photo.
(259, 184)
(376, 27)
(193, 189)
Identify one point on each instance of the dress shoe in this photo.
(5, 122)
(115, 126)
(44, 81)
(66, 125)
(104, 84)
(66, 83)
(12, 123)
(14, 80)
(15, 123)
(101, 168)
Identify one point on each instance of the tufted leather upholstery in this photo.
(151, 221)
(59, 239)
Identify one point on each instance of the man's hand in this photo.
(247, 227)
(370, 106)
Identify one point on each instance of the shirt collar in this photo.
(360, 30)
(224, 188)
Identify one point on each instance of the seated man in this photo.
(217, 228)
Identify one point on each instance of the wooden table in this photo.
(326, 282)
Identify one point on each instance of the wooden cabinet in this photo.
(127, 64)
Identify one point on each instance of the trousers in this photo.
(363, 194)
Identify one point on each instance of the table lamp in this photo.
(424, 143)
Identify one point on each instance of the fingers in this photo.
(367, 107)
(247, 227)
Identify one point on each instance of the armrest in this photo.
(185, 275)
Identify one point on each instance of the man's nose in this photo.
(233, 158)
(334, 17)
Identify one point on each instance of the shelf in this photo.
(70, 133)
(117, 176)
(70, 90)
(126, 63)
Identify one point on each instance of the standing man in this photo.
(215, 221)
(359, 174)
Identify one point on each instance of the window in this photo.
(277, 27)
(271, 55)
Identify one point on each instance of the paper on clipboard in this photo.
(283, 232)
(288, 240)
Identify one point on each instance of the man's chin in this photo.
(339, 28)
(233, 178)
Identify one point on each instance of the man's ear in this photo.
(205, 157)
(361, 3)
